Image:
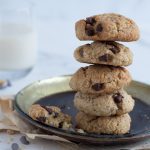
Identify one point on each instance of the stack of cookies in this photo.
(102, 102)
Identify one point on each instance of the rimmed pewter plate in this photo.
(56, 91)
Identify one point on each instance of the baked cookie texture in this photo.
(50, 115)
(117, 103)
(108, 53)
(104, 125)
(107, 27)
(100, 79)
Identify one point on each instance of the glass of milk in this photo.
(18, 39)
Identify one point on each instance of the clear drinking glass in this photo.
(18, 39)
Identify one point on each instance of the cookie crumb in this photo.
(80, 130)
(4, 84)
(68, 107)
(11, 132)
(15, 146)
(24, 140)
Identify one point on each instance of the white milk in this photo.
(18, 47)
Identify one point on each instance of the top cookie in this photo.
(107, 27)
(108, 53)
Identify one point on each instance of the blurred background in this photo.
(55, 21)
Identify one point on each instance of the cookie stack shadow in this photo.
(102, 102)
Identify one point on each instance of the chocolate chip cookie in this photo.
(108, 53)
(100, 79)
(107, 27)
(104, 125)
(50, 115)
(117, 103)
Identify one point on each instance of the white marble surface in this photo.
(57, 41)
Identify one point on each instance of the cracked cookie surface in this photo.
(117, 103)
(50, 115)
(107, 27)
(100, 79)
(109, 53)
(104, 125)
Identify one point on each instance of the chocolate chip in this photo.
(15, 146)
(55, 114)
(99, 28)
(105, 57)
(62, 106)
(84, 68)
(114, 48)
(60, 125)
(90, 20)
(89, 30)
(41, 119)
(81, 52)
(23, 140)
(47, 109)
(117, 97)
(77, 126)
(98, 86)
